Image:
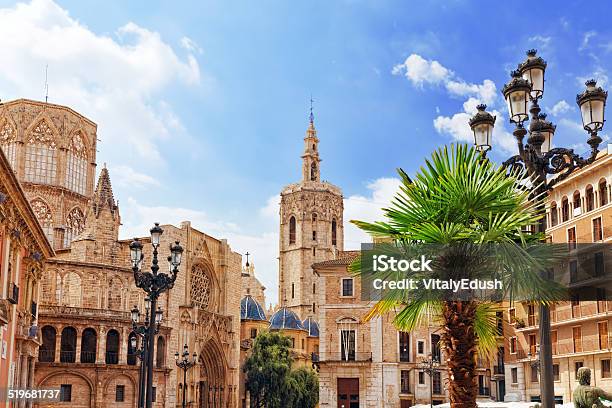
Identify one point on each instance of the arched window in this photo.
(89, 341)
(68, 345)
(71, 290)
(75, 222)
(292, 230)
(46, 354)
(8, 143)
(603, 192)
(115, 291)
(44, 216)
(313, 171)
(200, 287)
(161, 352)
(41, 155)
(576, 199)
(590, 198)
(112, 347)
(132, 351)
(554, 215)
(564, 209)
(334, 232)
(76, 165)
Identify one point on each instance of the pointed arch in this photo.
(213, 369)
(75, 223)
(71, 293)
(115, 294)
(76, 164)
(8, 142)
(41, 153)
(44, 216)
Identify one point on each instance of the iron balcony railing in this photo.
(67, 356)
(335, 357)
(88, 357)
(46, 356)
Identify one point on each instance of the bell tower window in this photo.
(313, 171)
(334, 233)
(292, 230)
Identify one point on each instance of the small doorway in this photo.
(501, 384)
(348, 392)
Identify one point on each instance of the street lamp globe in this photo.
(159, 315)
(547, 130)
(156, 233)
(177, 253)
(533, 71)
(133, 342)
(195, 358)
(136, 252)
(592, 103)
(176, 356)
(482, 125)
(135, 314)
(516, 92)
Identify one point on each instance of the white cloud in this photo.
(271, 209)
(586, 38)
(419, 70)
(599, 74)
(190, 45)
(115, 80)
(560, 108)
(367, 208)
(541, 42)
(125, 176)
(485, 92)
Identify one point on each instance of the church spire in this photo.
(310, 158)
(103, 196)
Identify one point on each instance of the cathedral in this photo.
(87, 288)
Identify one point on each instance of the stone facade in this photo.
(579, 209)
(23, 251)
(88, 289)
(52, 150)
(311, 219)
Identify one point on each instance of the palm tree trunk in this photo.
(460, 340)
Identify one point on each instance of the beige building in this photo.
(579, 210)
(88, 290)
(372, 364)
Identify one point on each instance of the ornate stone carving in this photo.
(200, 287)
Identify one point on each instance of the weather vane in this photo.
(311, 114)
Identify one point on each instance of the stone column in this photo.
(79, 334)
(123, 344)
(101, 346)
(58, 343)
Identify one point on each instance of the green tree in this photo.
(459, 198)
(267, 369)
(303, 388)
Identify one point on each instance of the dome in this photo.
(250, 309)
(285, 319)
(311, 326)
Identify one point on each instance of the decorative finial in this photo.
(482, 107)
(591, 83)
(532, 52)
(311, 114)
(516, 74)
(247, 262)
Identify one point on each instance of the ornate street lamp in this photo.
(142, 331)
(429, 366)
(482, 125)
(153, 283)
(540, 159)
(185, 363)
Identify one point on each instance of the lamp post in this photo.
(540, 159)
(429, 366)
(154, 283)
(185, 364)
(142, 331)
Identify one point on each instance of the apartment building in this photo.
(579, 211)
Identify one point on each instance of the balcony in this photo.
(112, 357)
(498, 370)
(339, 357)
(67, 311)
(46, 356)
(88, 357)
(67, 356)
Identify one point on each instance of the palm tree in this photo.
(459, 198)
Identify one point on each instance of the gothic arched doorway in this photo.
(212, 388)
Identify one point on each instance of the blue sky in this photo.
(202, 106)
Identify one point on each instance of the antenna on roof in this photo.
(47, 83)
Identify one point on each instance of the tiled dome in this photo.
(250, 309)
(311, 326)
(285, 319)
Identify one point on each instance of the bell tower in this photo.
(311, 230)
